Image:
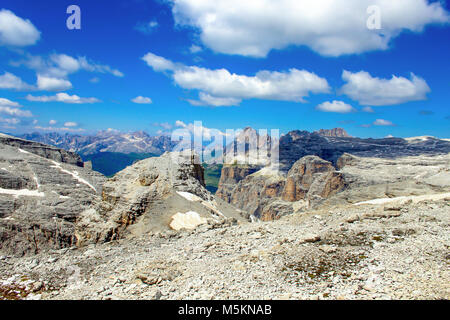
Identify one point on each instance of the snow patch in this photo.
(189, 220)
(74, 174)
(23, 151)
(189, 196)
(23, 192)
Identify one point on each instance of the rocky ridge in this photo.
(42, 191)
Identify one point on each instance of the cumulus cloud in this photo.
(335, 106)
(220, 87)
(15, 31)
(52, 84)
(142, 100)
(158, 63)
(62, 97)
(8, 103)
(62, 65)
(209, 100)
(331, 28)
(206, 133)
(368, 90)
(13, 108)
(10, 81)
(383, 123)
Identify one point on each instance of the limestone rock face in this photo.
(42, 191)
(311, 175)
(147, 197)
(370, 178)
(230, 176)
(269, 194)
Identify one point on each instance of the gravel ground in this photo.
(355, 252)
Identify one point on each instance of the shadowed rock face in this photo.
(297, 144)
(268, 195)
(42, 191)
(230, 177)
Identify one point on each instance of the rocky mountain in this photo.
(42, 191)
(154, 195)
(314, 168)
(336, 132)
(105, 141)
(370, 224)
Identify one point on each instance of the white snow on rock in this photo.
(189, 196)
(74, 174)
(189, 220)
(23, 151)
(414, 199)
(23, 192)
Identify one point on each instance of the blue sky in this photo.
(305, 53)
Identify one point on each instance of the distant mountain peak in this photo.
(335, 132)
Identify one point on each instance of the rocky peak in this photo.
(148, 197)
(336, 132)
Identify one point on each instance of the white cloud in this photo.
(206, 133)
(220, 87)
(329, 27)
(52, 122)
(94, 80)
(8, 103)
(15, 31)
(164, 125)
(12, 82)
(142, 100)
(12, 108)
(158, 63)
(195, 49)
(15, 112)
(147, 27)
(368, 110)
(70, 124)
(10, 121)
(335, 106)
(208, 100)
(52, 84)
(383, 123)
(62, 97)
(62, 65)
(53, 129)
(368, 90)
